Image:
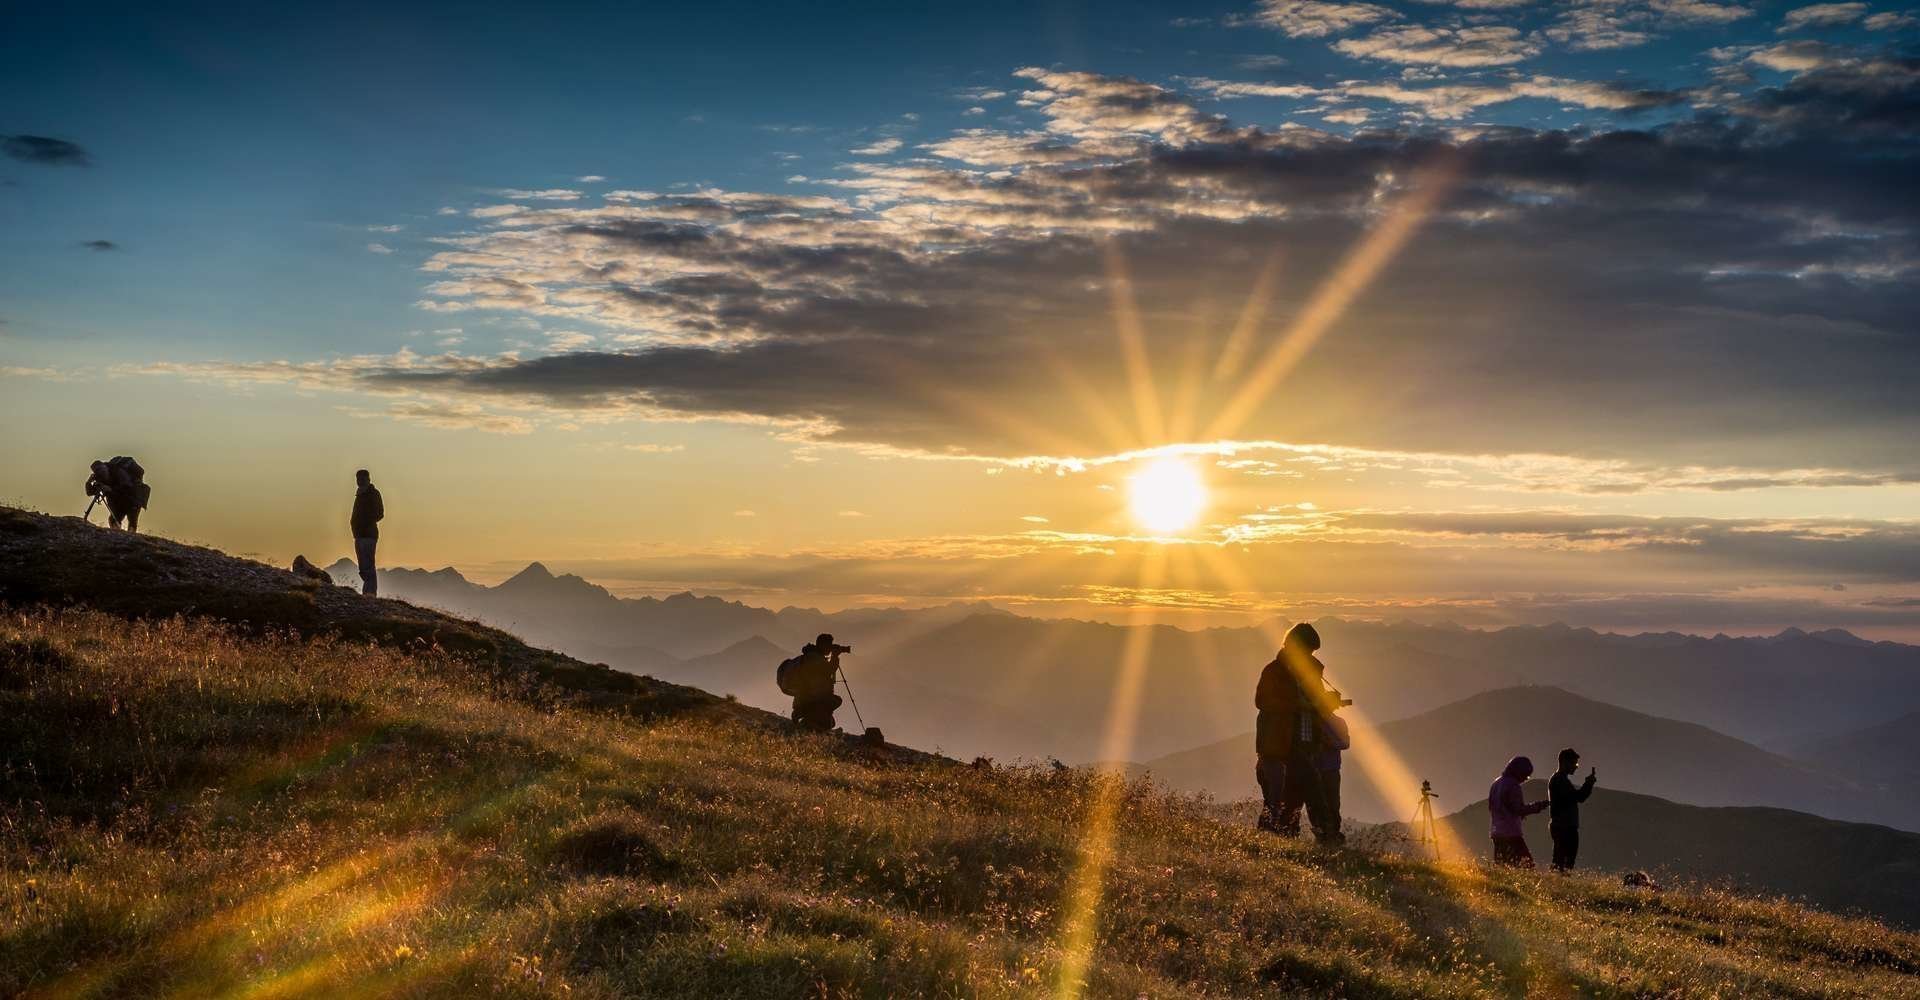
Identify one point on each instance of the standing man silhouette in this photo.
(365, 522)
(1564, 802)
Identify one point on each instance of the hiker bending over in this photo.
(1507, 804)
(1289, 733)
(809, 679)
(368, 509)
(122, 483)
(1563, 821)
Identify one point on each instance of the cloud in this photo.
(589, 179)
(1229, 88)
(450, 416)
(654, 449)
(879, 147)
(385, 229)
(1033, 519)
(1698, 11)
(1594, 28)
(1890, 21)
(745, 513)
(23, 371)
(1488, 45)
(1458, 100)
(964, 301)
(1822, 15)
(45, 151)
(101, 245)
(379, 248)
(1507, 566)
(544, 194)
(1318, 18)
(1597, 25)
(853, 513)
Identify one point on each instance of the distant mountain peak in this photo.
(534, 573)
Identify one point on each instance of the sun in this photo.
(1168, 495)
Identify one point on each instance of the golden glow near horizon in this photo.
(1167, 495)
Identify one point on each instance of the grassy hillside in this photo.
(1460, 747)
(1838, 866)
(292, 818)
(188, 808)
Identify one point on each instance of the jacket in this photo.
(1506, 800)
(1283, 724)
(1565, 800)
(1335, 738)
(367, 512)
(812, 677)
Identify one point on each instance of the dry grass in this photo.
(188, 811)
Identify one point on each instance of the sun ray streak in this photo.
(1133, 347)
(1240, 339)
(1086, 886)
(1335, 294)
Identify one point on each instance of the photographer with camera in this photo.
(122, 483)
(1296, 728)
(808, 678)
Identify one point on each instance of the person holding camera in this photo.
(1290, 736)
(808, 678)
(1564, 809)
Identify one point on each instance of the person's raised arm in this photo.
(1586, 787)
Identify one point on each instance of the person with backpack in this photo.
(1507, 805)
(1292, 701)
(122, 483)
(368, 510)
(1563, 818)
(808, 679)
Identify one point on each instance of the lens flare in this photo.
(1166, 496)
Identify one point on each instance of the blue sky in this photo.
(878, 289)
(241, 153)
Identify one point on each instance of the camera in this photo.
(836, 649)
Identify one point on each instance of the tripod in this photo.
(1424, 832)
(849, 686)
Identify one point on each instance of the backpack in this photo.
(783, 675)
(126, 464)
(130, 477)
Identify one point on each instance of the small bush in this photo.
(615, 845)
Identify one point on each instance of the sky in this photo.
(1480, 311)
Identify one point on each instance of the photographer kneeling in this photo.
(809, 679)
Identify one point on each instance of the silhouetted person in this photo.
(368, 509)
(1334, 738)
(1288, 732)
(1507, 804)
(122, 484)
(1563, 821)
(809, 679)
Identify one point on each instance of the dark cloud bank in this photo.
(44, 150)
(1737, 285)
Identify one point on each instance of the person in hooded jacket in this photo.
(1288, 733)
(1507, 804)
